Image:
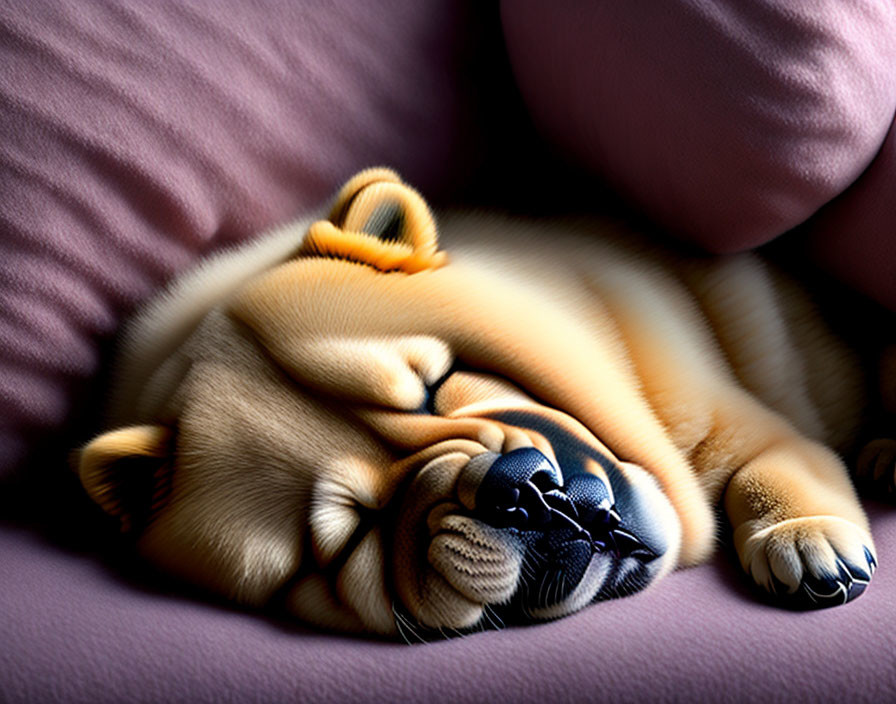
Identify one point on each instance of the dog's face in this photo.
(382, 440)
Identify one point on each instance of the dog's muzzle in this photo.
(564, 523)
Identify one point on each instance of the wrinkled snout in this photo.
(563, 524)
(526, 536)
(523, 490)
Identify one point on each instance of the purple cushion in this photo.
(135, 136)
(73, 631)
(729, 121)
(854, 236)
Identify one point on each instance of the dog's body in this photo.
(351, 423)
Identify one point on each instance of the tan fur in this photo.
(701, 373)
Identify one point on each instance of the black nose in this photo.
(522, 489)
(512, 493)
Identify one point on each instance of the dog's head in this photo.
(381, 438)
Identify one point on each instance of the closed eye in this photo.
(429, 404)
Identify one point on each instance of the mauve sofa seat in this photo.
(73, 631)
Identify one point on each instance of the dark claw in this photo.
(872, 563)
(828, 590)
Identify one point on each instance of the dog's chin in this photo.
(472, 574)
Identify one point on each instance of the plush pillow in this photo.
(136, 136)
(728, 121)
(854, 236)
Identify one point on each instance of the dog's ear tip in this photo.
(379, 220)
(357, 183)
(112, 467)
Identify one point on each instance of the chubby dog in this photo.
(387, 437)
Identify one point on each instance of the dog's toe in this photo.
(811, 563)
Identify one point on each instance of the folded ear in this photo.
(120, 470)
(377, 219)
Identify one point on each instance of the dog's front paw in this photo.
(810, 563)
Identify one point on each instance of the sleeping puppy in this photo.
(388, 437)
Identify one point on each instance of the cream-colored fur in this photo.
(289, 372)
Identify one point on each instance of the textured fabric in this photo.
(854, 237)
(136, 136)
(729, 122)
(73, 631)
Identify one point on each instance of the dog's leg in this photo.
(799, 529)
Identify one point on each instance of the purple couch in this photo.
(74, 631)
(136, 137)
